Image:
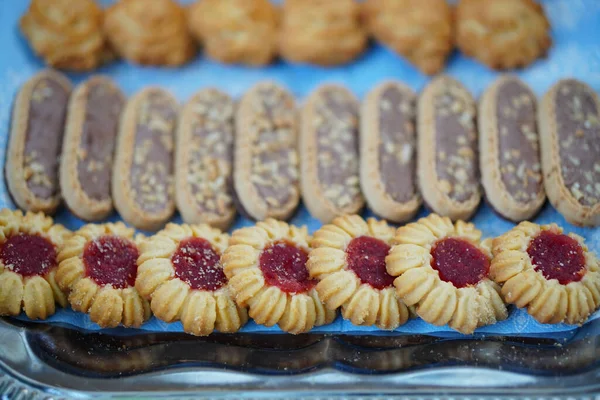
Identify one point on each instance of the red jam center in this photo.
(459, 262)
(283, 265)
(365, 256)
(28, 255)
(111, 260)
(557, 256)
(198, 264)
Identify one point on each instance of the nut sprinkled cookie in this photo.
(88, 147)
(509, 144)
(142, 183)
(569, 121)
(387, 152)
(447, 162)
(32, 155)
(265, 173)
(329, 153)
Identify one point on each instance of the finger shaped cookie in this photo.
(266, 267)
(29, 245)
(447, 162)
(142, 183)
(88, 147)
(552, 274)
(266, 157)
(36, 134)
(329, 153)
(387, 152)
(443, 270)
(509, 149)
(204, 159)
(569, 121)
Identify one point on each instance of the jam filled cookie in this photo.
(98, 267)
(88, 146)
(32, 155)
(348, 259)
(266, 267)
(29, 245)
(552, 274)
(442, 269)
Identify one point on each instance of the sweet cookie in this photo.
(265, 173)
(329, 153)
(447, 162)
(324, 32)
(142, 182)
(387, 152)
(236, 31)
(421, 31)
(552, 274)
(569, 121)
(442, 269)
(266, 267)
(153, 33)
(98, 268)
(28, 247)
(509, 149)
(88, 146)
(348, 259)
(32, 155)
(204, 160)
(503, 33)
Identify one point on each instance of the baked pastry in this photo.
(149, 32)
(266, 267)
(348, 258)
(180, 273)
(324, 32)
(420, 30)
(502, 34)
(29, 245)
(236, 31)
(552, 274)
(66, 34)
(98, 268)
(442, 268)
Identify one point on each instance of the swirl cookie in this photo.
(552, 274)
(442, 269)
(36, 134)
(266, 267)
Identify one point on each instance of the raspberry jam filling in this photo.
(28, 255)
(111, 260)
(557, 256)
(365, 256)
(283, 265)
(198, 264)
(459, 262)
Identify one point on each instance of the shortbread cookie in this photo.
(98, 268)
(32, 155)
(442, 269)
(510, 161)
(329, 154)
(88, 147)
(180, 273)
(348, 258)
(204, 160)
(569, 122)
(142, 183)
(265, 173)
(447, 161)
(266, 267)
(388, 152)
(29, 245)
(552, 274)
